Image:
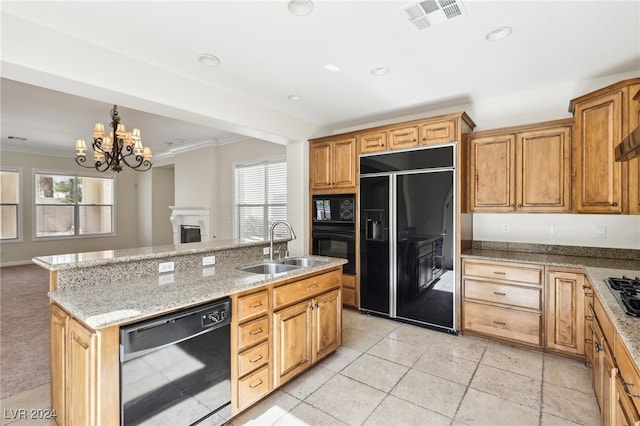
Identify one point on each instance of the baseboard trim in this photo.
(16, 263)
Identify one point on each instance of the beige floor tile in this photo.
(358, 339)
(480, 408)
(305, 384)
(28, 407)
(516, 360)
(446, 366)
(397, 412)
(338, 360)
(551, 420)
(431, 392)
(459, 347)
(568, 373)
(399, 352)
(346, 399)
(267, 411)
(376, 372)
(368, 323)
(570, 404)
(520, 389)
(305, 414)
(417, 335)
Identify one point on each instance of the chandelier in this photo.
(115, 151)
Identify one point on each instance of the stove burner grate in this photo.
(627, 292)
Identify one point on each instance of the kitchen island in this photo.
(94, 294)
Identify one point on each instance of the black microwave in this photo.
(334, 208)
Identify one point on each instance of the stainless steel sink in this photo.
(302, 261)
(268, 268)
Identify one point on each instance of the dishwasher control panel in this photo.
(214, 317)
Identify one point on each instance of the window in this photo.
(9, 204)
(260, 199)
(68, 205)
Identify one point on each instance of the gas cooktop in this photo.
(627, 292)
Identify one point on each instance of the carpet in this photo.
(24, 328)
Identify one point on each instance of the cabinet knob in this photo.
(519, 206)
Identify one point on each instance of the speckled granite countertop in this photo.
(124, 301)
(597, 270)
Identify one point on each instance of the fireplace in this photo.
(189, 234)
(188, 219)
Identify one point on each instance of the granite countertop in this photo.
(109, 257)
(125, 301)
(597, 270)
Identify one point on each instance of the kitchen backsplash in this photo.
(609, 253)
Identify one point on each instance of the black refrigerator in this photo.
(407, 229)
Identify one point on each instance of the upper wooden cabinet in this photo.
(634, 165)
(524, 168)
(333, 164)
(602, 120)
(373, 141)
(403, 137)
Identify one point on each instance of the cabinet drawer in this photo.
(628, 371)
(252, 387)
(253, 305)
(305, 289)
(404, 137)
(525, 297)
(504, 271)
(253, 358)
(503, 323)
(253, 332)
(603, 319)
(349, 281)
(373, 142)
(442, 131)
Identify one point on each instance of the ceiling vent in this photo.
(427, 13)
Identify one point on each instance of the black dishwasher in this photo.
(175, 369)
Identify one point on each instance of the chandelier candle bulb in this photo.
(146, 153)
(81, 147)
(98, 130)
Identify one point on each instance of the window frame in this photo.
(19, 209)
(266, 205)
(76, 206)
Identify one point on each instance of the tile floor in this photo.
(389, 373)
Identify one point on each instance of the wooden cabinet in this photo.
(403, 137)
(524, 168)
(349, 291)
(634, 164)
(629, 374)
(308, 330)
(373, 141)
(625, 413)
(602, 119)
(250, 349)
(604, 375)
(565, 312)
(503, 300)
(439, 131)
(84, 371)
(333, 164)
(589, 317)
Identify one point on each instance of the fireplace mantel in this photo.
(194, 216)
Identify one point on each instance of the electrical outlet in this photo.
(165, 267)
(208, 260)
(506, 228)
(266, 250)
(601, 231)
(166, 279)
(209, 272)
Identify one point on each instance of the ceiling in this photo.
(144, 55)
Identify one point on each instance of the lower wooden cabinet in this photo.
(349, 291)
(564, 314)
(305, 333)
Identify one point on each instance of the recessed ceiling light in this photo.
(380, 71)
(295, 97)
(300, 7)
(499, 34)
(332, 68)
(208, 60)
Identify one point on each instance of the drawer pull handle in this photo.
(589, 341)
(626, 390)
(589, 294)
(311, 287)
(588, 318)
(586, 287)
(500, 322)
(255, 305)
(256, 385)
(499, 273)
(79, 341)
(253, 361)
(255, 332)
(497, 293)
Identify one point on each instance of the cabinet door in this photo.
(598, 362)
(81, 368)
(344, 163)
(608, 388)
(597, 176)
(405, 137)
(625, 413)
(321, 165)
(373, 142)
(293, 344)
(565, 312)
(438, 132)
(491, 173)
(327, 324)
(634, 164)
(543, 170)
(59, 326)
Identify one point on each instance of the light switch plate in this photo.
(266, 250)
(208, 260)
(166, 279)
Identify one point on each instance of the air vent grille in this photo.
(432, 12)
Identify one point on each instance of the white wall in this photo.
(298, 194)
(126, 211)
(162, 197)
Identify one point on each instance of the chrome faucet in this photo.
(273, 227)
